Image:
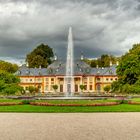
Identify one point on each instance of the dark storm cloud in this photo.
(99, 26)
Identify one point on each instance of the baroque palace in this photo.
(94, 79)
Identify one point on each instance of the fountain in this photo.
(69, 79)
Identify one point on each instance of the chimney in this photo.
(27, 65)
(110, 63)
(82, 56)
(117, 63)
(55, 57)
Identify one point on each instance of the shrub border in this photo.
(97, 104)
(133, 103)
(9, 104)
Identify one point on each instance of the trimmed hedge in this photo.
(25, 102)
(9, 104)
(97, 104)
(133, 103)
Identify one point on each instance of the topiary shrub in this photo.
(27, 101)
(107, 88)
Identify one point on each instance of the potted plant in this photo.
(82, 87)
(55, 87)
(107, 88)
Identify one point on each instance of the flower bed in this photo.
(97, 104)
(134, 103)
(9, 104)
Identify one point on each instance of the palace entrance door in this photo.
(61, 88)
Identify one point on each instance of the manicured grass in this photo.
(10, 101)
(70, 109)
(57, 109)
(77, 101)
(135, 99)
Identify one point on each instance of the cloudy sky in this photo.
(99, 26)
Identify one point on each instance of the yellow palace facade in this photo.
(94, 79)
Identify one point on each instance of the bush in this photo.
(131, 88)
(116, 86)
(128, 72)
(125, 88)
(124, 101)
(31, 89)
(11, 89)
(107, 88)
(27, 101)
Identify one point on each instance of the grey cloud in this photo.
(99, 26)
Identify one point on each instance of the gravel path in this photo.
(70, 126)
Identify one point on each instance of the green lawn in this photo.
(10, 101)
(77, 101)
(69, 109)
(135, 99)
(57, 109)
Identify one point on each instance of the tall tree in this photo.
(9, 83)
(41, 56)
(8, 67)
(129, 72)
(103, 61)
(129, 67)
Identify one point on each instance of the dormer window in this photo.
(27, 72)
(39, 73)
(87, 70)
(50, 70)
(110, 71)
(19, 72)
(98, 72)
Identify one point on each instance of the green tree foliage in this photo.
(32, 89)
(9, 83)
(12, 89)
(116, 86)
(41, 56)
(87, 61)
(8, 67)
(103, 61)
(93, 63)
(8, 78)
(129, 67)
(107, 88)
(129, 72)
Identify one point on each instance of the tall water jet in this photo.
(69, 79)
